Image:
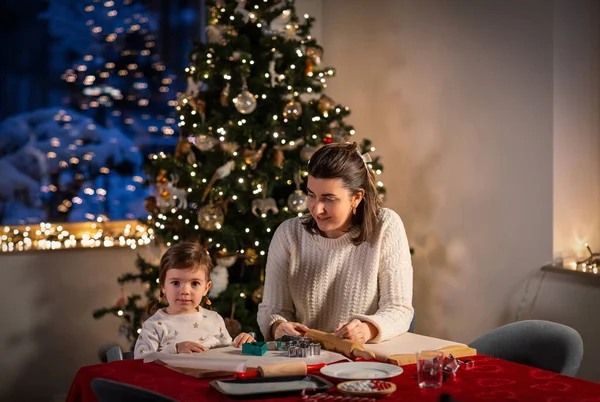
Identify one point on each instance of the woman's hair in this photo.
(186, 256)
(343, 161)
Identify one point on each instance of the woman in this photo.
(346, 267)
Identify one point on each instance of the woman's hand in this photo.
(281, 328)
(189, 347)
(356, 330)
(242, 338)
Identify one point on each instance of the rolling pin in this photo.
(348, 348)
(281, 370)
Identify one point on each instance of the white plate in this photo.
(361, 370)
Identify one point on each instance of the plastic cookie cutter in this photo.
(254, 348)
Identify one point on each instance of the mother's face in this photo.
(330, 204)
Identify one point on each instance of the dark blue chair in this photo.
(113, 391)
(541, 344)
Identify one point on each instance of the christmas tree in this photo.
(251, 118)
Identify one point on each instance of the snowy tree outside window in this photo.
(82, 158)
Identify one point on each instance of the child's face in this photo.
(184, 290)
(330, 204)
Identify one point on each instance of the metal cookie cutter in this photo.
(304, 349)
(286, 341)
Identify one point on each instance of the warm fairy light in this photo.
(49, 237)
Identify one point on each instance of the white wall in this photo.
(575, 301)
(458, 95)
(48, 331)
(576, 127)
(486, 116)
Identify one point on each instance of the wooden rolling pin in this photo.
(281, 370)
(348, 348)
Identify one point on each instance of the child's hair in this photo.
(187, 256)
(344, 161)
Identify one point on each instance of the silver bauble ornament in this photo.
(297, 201)
(307, 152)
(205, 142)
(325, 104)
(211, 217)
(245, 102)
(338, 132)
(292, 110)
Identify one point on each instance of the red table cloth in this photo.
(490, 379)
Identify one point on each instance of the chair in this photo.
(541, 344)
(411, 327)
(113, 391)
(116, 353)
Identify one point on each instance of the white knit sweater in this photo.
(321, 282)
(162, 332)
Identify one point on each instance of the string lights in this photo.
(590, 264)
(47, 236)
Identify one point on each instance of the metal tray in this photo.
(258, 387)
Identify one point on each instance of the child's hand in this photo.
(189, 347)
(242, 338)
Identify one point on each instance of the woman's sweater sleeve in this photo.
(277, 303)
(395, 283)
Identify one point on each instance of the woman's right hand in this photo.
(281, 328)
(189, 347)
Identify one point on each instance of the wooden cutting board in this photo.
(402, 349)
(411, 358)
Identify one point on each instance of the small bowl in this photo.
(376, 388)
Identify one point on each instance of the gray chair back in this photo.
(113, 391)
(113, 354)
(411, 328)
(541, 344)
(116, 353)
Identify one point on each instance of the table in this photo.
(490, 379)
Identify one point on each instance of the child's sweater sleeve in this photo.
(223, 335)
(149, 341)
